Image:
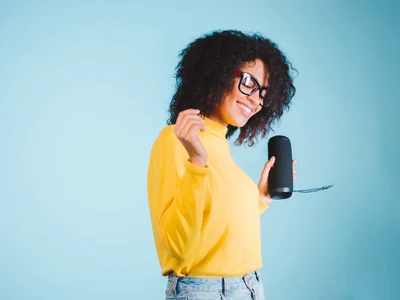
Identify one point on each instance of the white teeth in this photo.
(245, 108)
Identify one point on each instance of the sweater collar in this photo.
(215, 128)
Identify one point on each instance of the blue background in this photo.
(84, 90)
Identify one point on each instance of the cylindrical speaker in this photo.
(280, 180)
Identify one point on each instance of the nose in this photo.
(255, 98)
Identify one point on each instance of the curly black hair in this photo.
(207, 70)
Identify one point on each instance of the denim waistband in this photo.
(224, 285)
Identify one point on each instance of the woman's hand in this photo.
(187, 125)
(263, 183)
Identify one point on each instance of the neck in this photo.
(218, 120)
(215, 128)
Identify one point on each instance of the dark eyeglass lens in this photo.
(248, 85)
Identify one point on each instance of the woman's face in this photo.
(237, 108)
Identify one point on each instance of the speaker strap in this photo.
(314, 190)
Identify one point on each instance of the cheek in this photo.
(235, 95)
(231, 101)
(257, 110)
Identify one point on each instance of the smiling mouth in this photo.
(245, 107)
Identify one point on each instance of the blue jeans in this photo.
(247, 287)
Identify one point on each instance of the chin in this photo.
(239, 122)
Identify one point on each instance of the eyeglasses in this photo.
(248, 85)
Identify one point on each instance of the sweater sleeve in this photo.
(178, 189)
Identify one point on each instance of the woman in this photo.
(205, 210)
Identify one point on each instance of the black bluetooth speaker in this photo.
(280, 180)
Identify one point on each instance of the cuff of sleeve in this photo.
(196, 169)
(262, 205)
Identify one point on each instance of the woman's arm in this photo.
(177, 193)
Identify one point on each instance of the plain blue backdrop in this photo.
(84, 92)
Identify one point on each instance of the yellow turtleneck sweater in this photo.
(206, 221)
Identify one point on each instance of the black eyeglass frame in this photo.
(258, 88)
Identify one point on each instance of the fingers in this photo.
(181, 120)
(189, 123)
(271, 162)
(186, 128)
(185, 121)
(190, 131)
(183, 115)
(294, 171)
(190, 111)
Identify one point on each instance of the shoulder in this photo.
(167, 140)
(167, 147)
(167, 136)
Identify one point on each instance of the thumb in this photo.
(269, 164)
